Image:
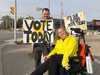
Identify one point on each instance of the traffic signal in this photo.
(28, 16)
(37, 9)
(12, 10)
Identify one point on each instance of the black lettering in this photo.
(43, 23)
(49, 36)
(73, 23)
(29, 28)
(45, 35)
(74, 17)
(27, 32)
(77, 19)
(70, 24)
(48, 25)
(68, 17)
(80, 23)
(34, 34)
(35, 25)
(40, 35)
(71, 19)
(83, 22)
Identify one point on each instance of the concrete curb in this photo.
(11, 41)
(1, 67)
(91, 33)
(2, 46)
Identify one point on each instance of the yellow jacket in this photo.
(68, 48)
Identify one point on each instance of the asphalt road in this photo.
(6, 35)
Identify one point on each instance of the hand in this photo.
(23, 30)
(46, 57)
(67, 67)
(53, 30)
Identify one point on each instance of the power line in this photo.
(79, 6)
(33, 4)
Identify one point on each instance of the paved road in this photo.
(94, 42)
(6, 35)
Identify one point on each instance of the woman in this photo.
(66, 46)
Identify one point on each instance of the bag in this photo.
(89, 64)
(77, 67)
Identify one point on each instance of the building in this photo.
(93, 25)
(57, 23)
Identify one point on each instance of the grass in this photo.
(31, 54)
(21, 43)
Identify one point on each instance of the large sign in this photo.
(96, 23)
(37, 31)
(77, 20)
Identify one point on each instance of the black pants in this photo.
(52, 65)
(37, 55)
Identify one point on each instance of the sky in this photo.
(69, 7)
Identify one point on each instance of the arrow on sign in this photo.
(40, 9)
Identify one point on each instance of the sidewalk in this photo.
(2, 46)
(14, 59)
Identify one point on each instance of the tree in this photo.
(7, 23)
(30, 17)
(20, 22)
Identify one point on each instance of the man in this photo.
(39, 48)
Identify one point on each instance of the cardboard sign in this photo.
(37, 31)
(77, 20)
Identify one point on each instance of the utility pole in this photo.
(9, 25)
(6, 23)
(49, 4)
(61, 15)
(12, 24)
(15, 19)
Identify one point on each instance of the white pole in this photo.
(15, 18)
(12, 24)
(49, 4)
(61, 15)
